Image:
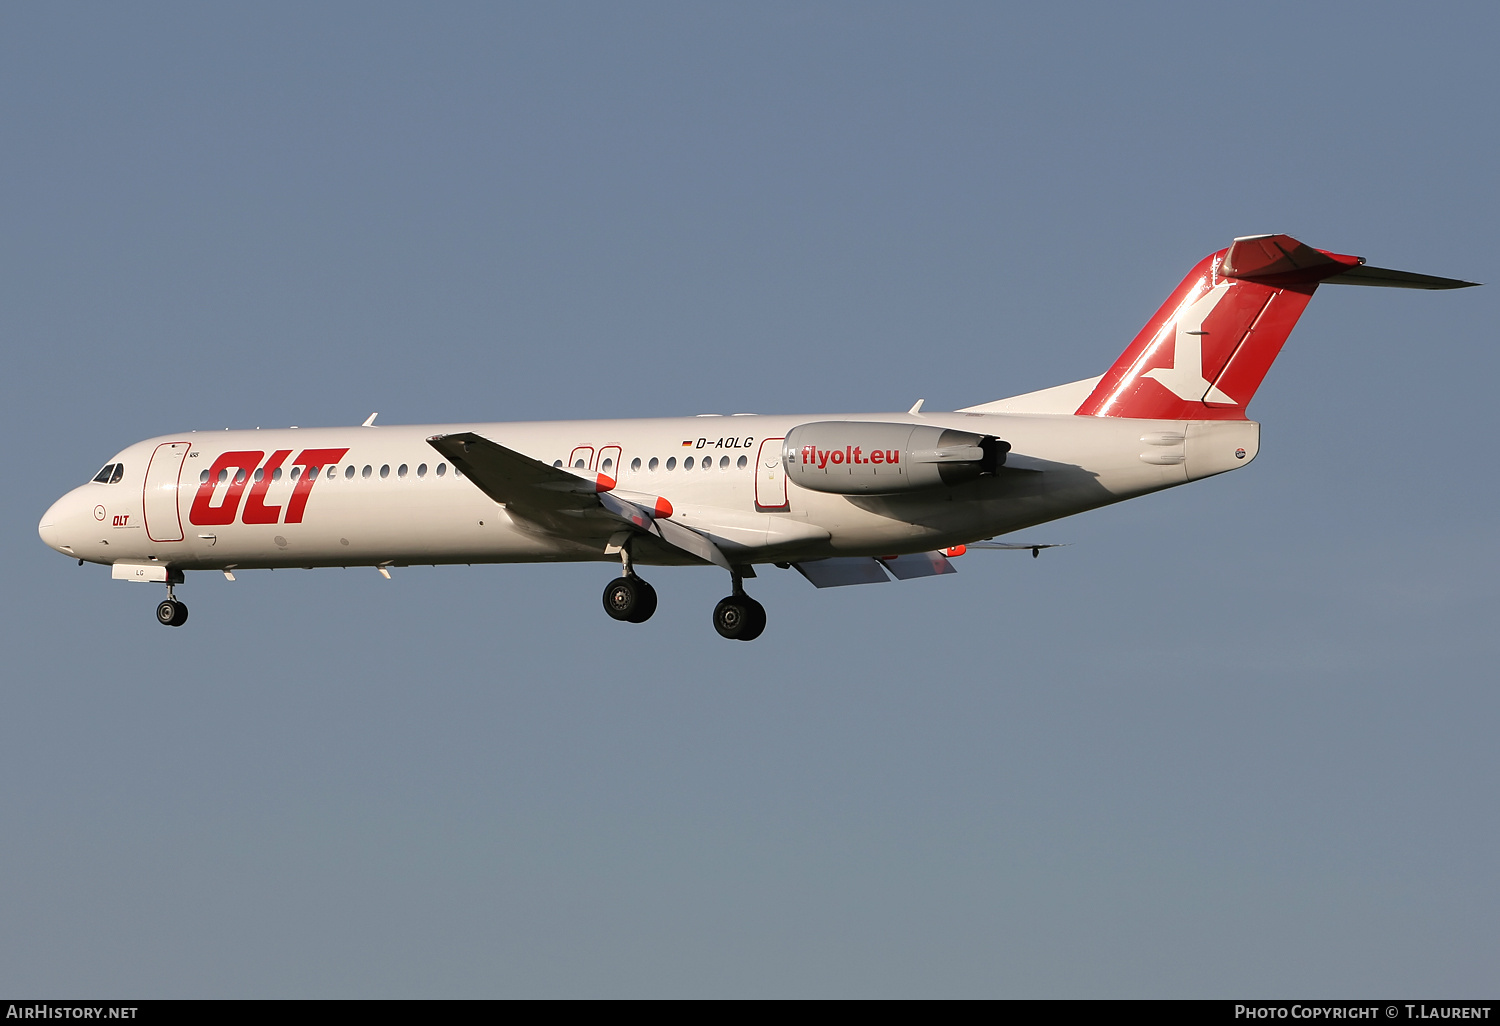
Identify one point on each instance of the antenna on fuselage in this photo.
(370, 420)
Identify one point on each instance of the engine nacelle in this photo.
(850, 457)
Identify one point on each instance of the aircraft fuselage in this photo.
(383, 495)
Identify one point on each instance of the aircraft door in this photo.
(582, 458)
(163, 515)
(770, 478)
(609, 462)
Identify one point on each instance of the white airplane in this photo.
(851, 499)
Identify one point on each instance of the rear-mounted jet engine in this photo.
(848, 457)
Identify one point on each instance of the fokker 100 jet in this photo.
(849, 499)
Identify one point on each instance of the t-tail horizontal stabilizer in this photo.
(1384, 277)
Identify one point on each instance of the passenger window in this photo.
(708, 462)
(607, 464)
(652, 465)
(239, 476)
(367, 472)
(723, 462)
(456, 471)
(349, 472)
(203, 478)
(224, 476)
(421, 470)
(671, 462)
(635, 465)
(687, 464)
(557, 463)
(312, 473)
(740, 462)
(401, 470)
(385, 470)
(442, 469)
(578, 464)
(276, 474)
(260, 475)
(103, 476)
(296, 473)
(119, 473)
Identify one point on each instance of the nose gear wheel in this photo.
(171, 613)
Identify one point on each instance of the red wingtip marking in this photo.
(604, 483)
(955, 550)
(663, 507)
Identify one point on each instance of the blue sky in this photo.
(1235, 740)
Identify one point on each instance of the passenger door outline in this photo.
(587, 452)
(161, 490)
(770, 478)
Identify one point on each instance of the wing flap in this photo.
(689, 540)
(918, 564)
(842, 571)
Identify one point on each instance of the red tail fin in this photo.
(1207, 349)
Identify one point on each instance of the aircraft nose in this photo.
(54, 524)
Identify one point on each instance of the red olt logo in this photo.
(238, 468)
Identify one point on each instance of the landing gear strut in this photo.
(629, 598)
(739, 617)
(171, 613)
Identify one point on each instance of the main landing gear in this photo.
(739, 617)
(171, 613)
(629, 598)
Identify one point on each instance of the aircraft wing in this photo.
(1014, 546)
(539, 492)
(509, 477)
(1036, 549)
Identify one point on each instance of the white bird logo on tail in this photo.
(1184, 378)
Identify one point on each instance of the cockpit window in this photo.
(118, 474)
(103, 476)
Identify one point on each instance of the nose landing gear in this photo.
(171, 613)
(739, 617)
